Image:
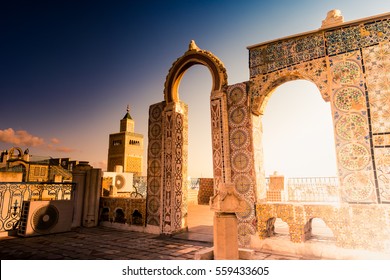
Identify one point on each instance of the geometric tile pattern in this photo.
(354, 37)
(167, 204)
(352, 134)
(358, 186)
(284, 53)
(263, 84)
(351, 127)
(174, 194)
(217, 140)
(381, 140)
(353, 156)
(241, 158)
(349, 65)
(377, 65)
(154, 171)
(355, 77)
(260, 183)
(382, 161)
(349, 99)
(168, 178)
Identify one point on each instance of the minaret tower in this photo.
(126, 147)
(127, 123)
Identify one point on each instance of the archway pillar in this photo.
(242, 154)
(168, 143)
(174, 167)
(220, 139)
(154, 171)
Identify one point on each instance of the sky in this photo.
(68, 69)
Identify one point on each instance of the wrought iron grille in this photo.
(12, 196)
(139, 186)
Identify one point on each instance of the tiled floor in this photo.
(105, 243)
(99, 243)
(115, 244)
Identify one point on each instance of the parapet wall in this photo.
(120, 210)
(354, 226)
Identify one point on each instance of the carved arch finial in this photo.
(192, 46)
(333, 18)
(194, 56)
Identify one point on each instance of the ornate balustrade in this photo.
(305, 189)
(13, 194)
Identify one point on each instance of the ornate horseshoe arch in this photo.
(168, 142)
(346, 62)
(194, 56)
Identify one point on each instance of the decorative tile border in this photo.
(292, 51)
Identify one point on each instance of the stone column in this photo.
(225, 203)
(174, 164)
(225, 236)
(79, 177)
(92, 197)
(154, 171)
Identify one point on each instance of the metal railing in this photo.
(13, 194)
(313, 189)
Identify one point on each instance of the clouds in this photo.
(60, 149)
(20, 138)
(24, 138)
(54, 140)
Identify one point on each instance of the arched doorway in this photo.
(194, 89)
(298, 139)
(168, 143)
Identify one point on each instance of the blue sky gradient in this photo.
(68, 69)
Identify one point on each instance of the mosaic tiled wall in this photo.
(154, 171)
(175, 154)
(261, 85)
(285, 53)
(206, 190)
(349, 65)
(377, 71)
(257, 135)
(220, 139)
(167, 169)
(352, 136)
(243, 174)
